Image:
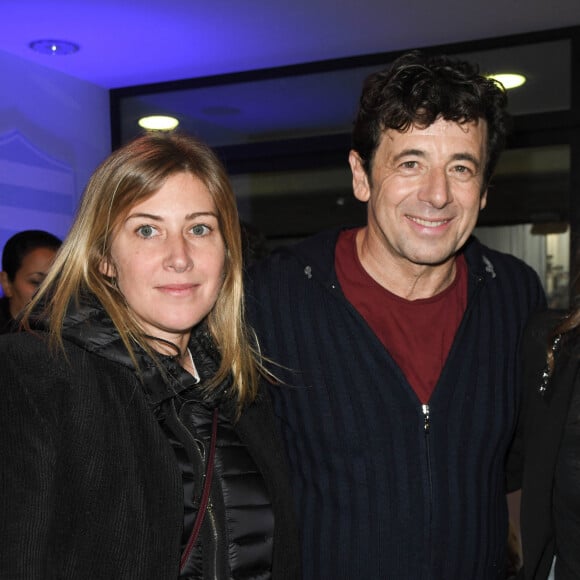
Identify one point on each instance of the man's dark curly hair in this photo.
(416, 90)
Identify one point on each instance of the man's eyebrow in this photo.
(409, 152)
(464, 156)
(467, 157)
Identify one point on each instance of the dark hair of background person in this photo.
(21, 244)
(416, 90)
(570, 325)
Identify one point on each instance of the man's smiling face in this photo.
(425, 191)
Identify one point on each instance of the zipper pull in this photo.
(426, 419)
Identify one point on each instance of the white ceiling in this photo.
(133, 42)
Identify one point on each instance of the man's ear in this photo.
(6, 284)
(107, 269)
(360, 181)
(483, 200)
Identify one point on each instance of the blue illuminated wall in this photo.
(36, 191)
(54, 131)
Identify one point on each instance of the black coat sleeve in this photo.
(28, 457)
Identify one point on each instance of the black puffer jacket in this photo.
(92, 487)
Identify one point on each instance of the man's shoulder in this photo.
(506, 278)
(491, 262)
(315, 252)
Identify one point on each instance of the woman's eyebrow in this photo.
(189, 216)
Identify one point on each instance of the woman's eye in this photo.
(200, 230)
(146, 231)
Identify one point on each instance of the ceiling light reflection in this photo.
(509, 80)
(158, 123)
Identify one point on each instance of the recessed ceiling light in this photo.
(54, 47)
(509, 80)
(158, 123)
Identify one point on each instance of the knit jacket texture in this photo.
(90, 485)
(384, 487)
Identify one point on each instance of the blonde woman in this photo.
(135, 441)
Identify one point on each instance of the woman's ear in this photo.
(107, 269)
(6, 284)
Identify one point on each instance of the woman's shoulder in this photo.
(18, 347)
(542, 333)
(5, 318)
(30, 360)
(543, 322)
(540, 330)
(34, 381)
(550, 361)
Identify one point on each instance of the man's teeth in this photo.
(428, 223)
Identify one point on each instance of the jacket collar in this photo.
(88, 326)
(316, 253)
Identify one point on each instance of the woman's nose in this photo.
(179, 254)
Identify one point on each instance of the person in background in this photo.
(254, 244)
(135, 440)
(26, 259)
(397, 342)
(544, 461)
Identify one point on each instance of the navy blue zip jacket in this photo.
(386, 488)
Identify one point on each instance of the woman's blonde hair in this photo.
(127, 177)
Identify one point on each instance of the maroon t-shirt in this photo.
(417, 333)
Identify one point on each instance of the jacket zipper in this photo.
(210, 517)
(426, 431)
(209, 510)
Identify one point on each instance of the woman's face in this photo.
(27, 279)
(168, 258)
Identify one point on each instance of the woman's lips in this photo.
(177, 289)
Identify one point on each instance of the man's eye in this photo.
(146, 231)
(466, 169)
(200, 230)
(463, 172)
(409, 164)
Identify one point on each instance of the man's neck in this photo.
(401, 276)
